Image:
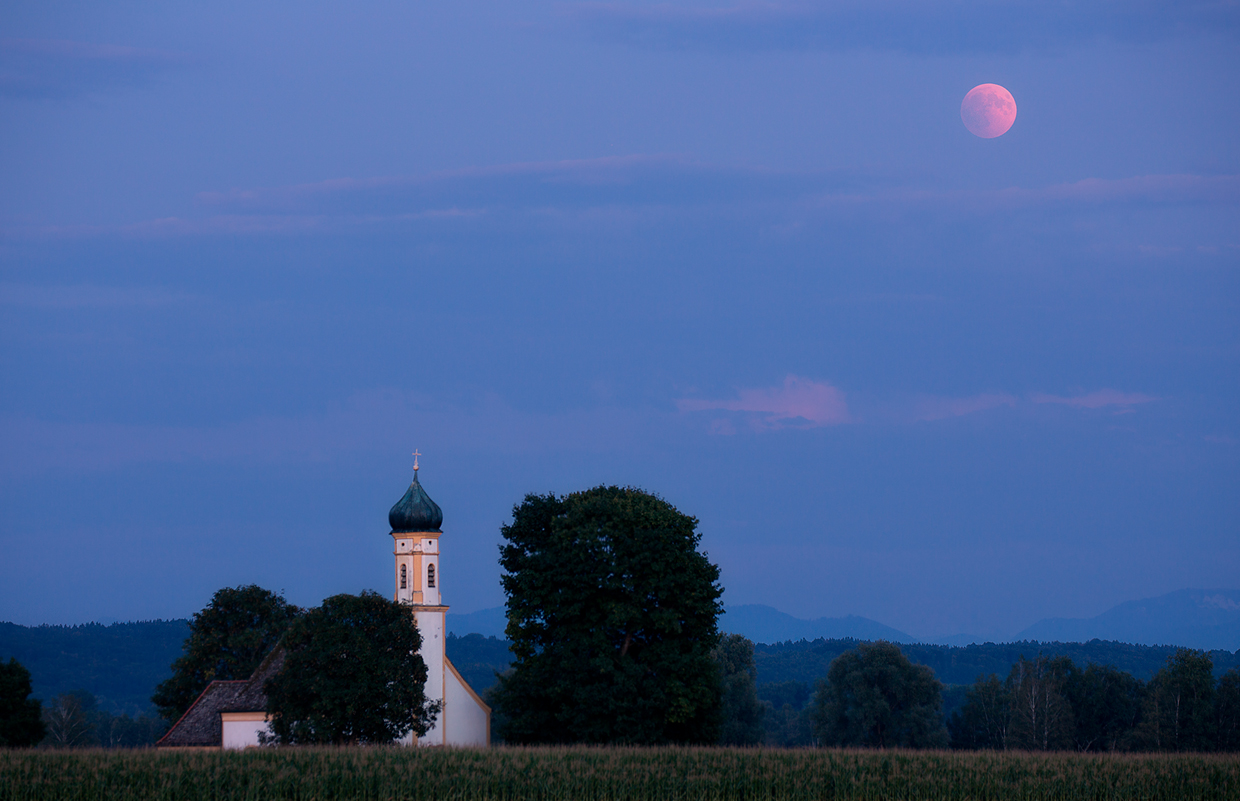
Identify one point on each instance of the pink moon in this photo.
(988, 110)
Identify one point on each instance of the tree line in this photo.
(118, 664)
(874, 696)
(71, 720)
(1051, 704)
(612, 624)
(808, 661)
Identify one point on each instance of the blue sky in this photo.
(743, 255)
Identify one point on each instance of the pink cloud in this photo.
(1096, 399)
(933, 408)
(799, 399)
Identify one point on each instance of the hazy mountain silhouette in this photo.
(767, 624)
(487, 622)
(757, 622)
(1204, 619)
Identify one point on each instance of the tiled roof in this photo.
(200, 726)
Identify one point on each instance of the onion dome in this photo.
(415, 511)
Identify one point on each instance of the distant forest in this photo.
(120, 664)
(807, 662)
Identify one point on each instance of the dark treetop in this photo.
(612, 616)
(875, 697)
(228, 639)
(20, 725)
(352, 674)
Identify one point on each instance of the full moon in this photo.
(988, 110)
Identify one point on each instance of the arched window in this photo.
(430, 575)
(404, 578)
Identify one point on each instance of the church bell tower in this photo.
(416, 521)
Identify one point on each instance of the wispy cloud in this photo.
(237, 225)
(627, 191)
(58, 67)
(924, 27)
(1143, 189)
(798, 403)
(606, 171)
(1096, 399)
(370, 421)
(614, 181)
(367, 423)
(85, 296)
(670, 182)
(940, 408)
(929, 408)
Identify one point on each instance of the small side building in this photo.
(228, 714)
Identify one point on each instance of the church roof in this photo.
(415, 511)
(202, 726)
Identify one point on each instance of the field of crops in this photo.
(608, 773)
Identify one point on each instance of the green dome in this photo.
(415, 511)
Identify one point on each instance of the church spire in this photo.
(415, 511)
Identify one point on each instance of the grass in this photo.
(322, 774)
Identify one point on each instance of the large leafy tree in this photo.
(612, 615)
(874, 696)
(21, 724)
(228, 639)
(351, 674)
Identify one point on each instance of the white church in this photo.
(232, 714)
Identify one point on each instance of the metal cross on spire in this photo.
(415, 458)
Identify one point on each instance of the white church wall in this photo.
(241, 729)
(467, 718)
(431, 627)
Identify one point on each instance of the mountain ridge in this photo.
(1204, 619)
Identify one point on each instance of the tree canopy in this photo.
(983, 722)
(1227, 711)
(1041, 715)
(1179, 704)
(1106, 706)
(70, 720)
(228, 639)
(742, 711)
(20, 722)
(612, 616)
(1050, 704)
(874, 696)
(352, 674)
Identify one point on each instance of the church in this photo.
(232, 714)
